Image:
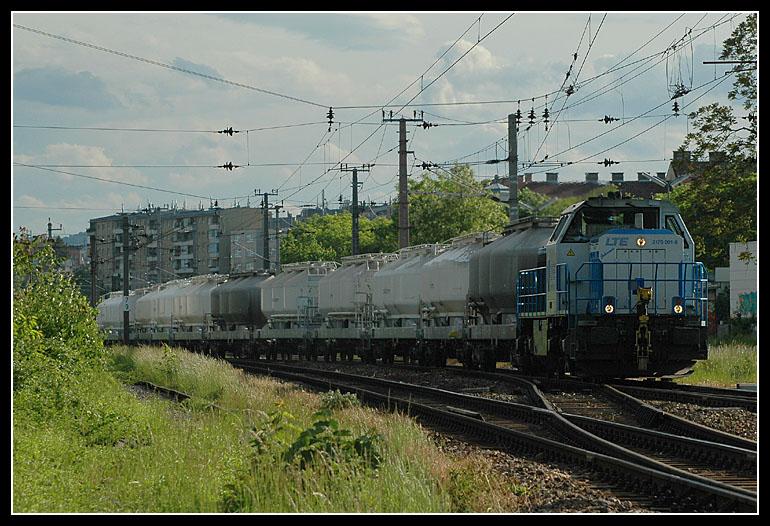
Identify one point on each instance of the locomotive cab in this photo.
(620, 294)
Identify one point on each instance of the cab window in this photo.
(557, 231)
(673, 225)
(590, 222)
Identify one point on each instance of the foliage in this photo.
(558, 206)
(332, 400)
(447, 204)
(54, 328)
(325, 441)
(731, 189)
(729, 363)
(743, 325)
(722, 306)
(716, 126)
(728, 186)
(533, 199)
(328, 238)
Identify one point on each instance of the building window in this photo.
(213, 248)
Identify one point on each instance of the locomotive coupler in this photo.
(643, 339)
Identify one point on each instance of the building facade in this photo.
(169, 243)
(743, 279)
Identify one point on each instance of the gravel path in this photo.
(728, 419)
(549, 487)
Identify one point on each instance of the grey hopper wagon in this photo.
(496, 266)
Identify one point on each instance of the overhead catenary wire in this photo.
(423, 88)
(168, 66)
(124, 183)
(715, 82)
(159, 130)
(566, 95)
(624, 123)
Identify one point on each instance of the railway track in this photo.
(538, 428)
(628, 408)
(669, 391)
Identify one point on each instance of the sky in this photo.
(283, 72)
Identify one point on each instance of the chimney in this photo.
(682, 156)
(552, 177)
(592, 177)
(716, 157)
(617, 177)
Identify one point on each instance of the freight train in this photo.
(608, 289)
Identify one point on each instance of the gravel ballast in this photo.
(549, 487)
(731, 420)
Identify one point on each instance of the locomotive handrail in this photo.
(532, 288)
(697, 284)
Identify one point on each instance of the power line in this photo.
(66, 208)
(612, 69)
(720, 81)
(419, 77)
(458, 60)
(111, 181)
(627, 122)
(168, 130)
(253, 165)
(566, 96)
(399, 94)
(167, 66)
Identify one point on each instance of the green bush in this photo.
(55, 335)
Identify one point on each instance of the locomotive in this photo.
(608, 289)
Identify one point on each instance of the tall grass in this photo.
(159, 456)
(730, 362)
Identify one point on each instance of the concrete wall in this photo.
(743, 278)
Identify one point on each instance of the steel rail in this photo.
(568, 431)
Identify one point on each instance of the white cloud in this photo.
(80, 156)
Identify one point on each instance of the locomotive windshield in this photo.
(591, 222)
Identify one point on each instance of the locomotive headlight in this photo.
(609, 304)
(678, 309)
(640, 241)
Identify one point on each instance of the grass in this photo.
(117, 453)
(730, 361)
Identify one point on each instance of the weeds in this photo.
(332, 400)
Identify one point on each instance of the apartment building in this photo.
(169, 243)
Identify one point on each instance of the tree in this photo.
(447, 204)
(55, 335)
(329, 238)
(720, 207)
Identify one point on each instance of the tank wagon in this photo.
(610, 288)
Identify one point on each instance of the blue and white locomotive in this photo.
(610, 289)
(620, 293)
